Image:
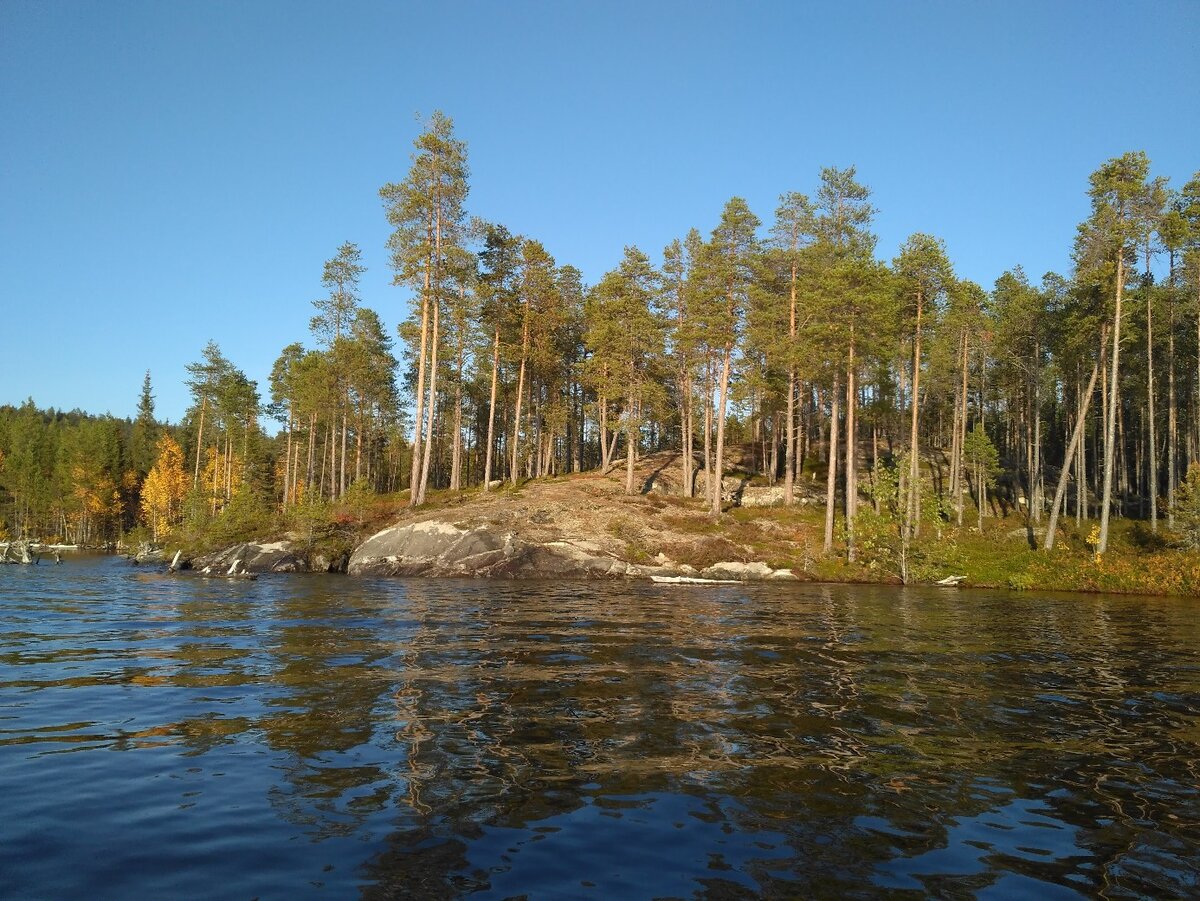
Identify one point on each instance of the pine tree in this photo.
(730, 271)
(852, 303)
(924, 276)
(625, 334)
(426, 211)
(1104, 248)
(499, 285)
(794, 228)
(336, 312)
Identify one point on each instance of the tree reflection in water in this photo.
(436, 738)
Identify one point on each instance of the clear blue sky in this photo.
(172, 172)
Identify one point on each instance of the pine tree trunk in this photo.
(359, 430)
(913, 507)
(773, 465)
(708, 435)
(324, 461)
(287, 466)
(687, 442)
(719, 467)
(516, 438)
(1172, 423)
(312, 441)
(580, 449)
(199, 442)
(1123, 484)
(1152, 449)
(1111, 432)
(1076, 435)
(432, 406)
(631, 444)
(789, 464)
(1036, 479)
(427, 449)
(218, 470)
(789, 455)
(414, 478)
(602, 403)
(802, 437)
(491, 437)
(1196, 455)
(331, 440)
(831, 472)
(345, 430)
(851, 451)
(295, 473)
(456, 449)
(964, 394)
(954, 446)
(1081, 480)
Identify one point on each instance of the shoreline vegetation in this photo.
(773, 396)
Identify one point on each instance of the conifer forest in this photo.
(776, 341)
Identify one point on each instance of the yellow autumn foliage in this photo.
(164, 489)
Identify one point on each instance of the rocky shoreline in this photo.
(437, 548)
(576, 527)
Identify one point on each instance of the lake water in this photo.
(298, 736)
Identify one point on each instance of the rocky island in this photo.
(580, 526)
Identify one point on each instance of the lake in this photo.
(322, 736)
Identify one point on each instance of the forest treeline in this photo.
(906, 391)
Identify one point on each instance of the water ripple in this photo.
(301, 736)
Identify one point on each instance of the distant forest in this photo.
(886, 383)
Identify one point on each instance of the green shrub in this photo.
(1187, 508)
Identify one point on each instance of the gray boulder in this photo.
(741, 571)
(435, 548)
(275, 557)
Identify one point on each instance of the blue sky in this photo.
(172, 172)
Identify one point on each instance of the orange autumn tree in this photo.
(164, 489)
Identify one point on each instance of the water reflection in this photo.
(430, 739)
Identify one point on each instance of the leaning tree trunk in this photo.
(1076, 433)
